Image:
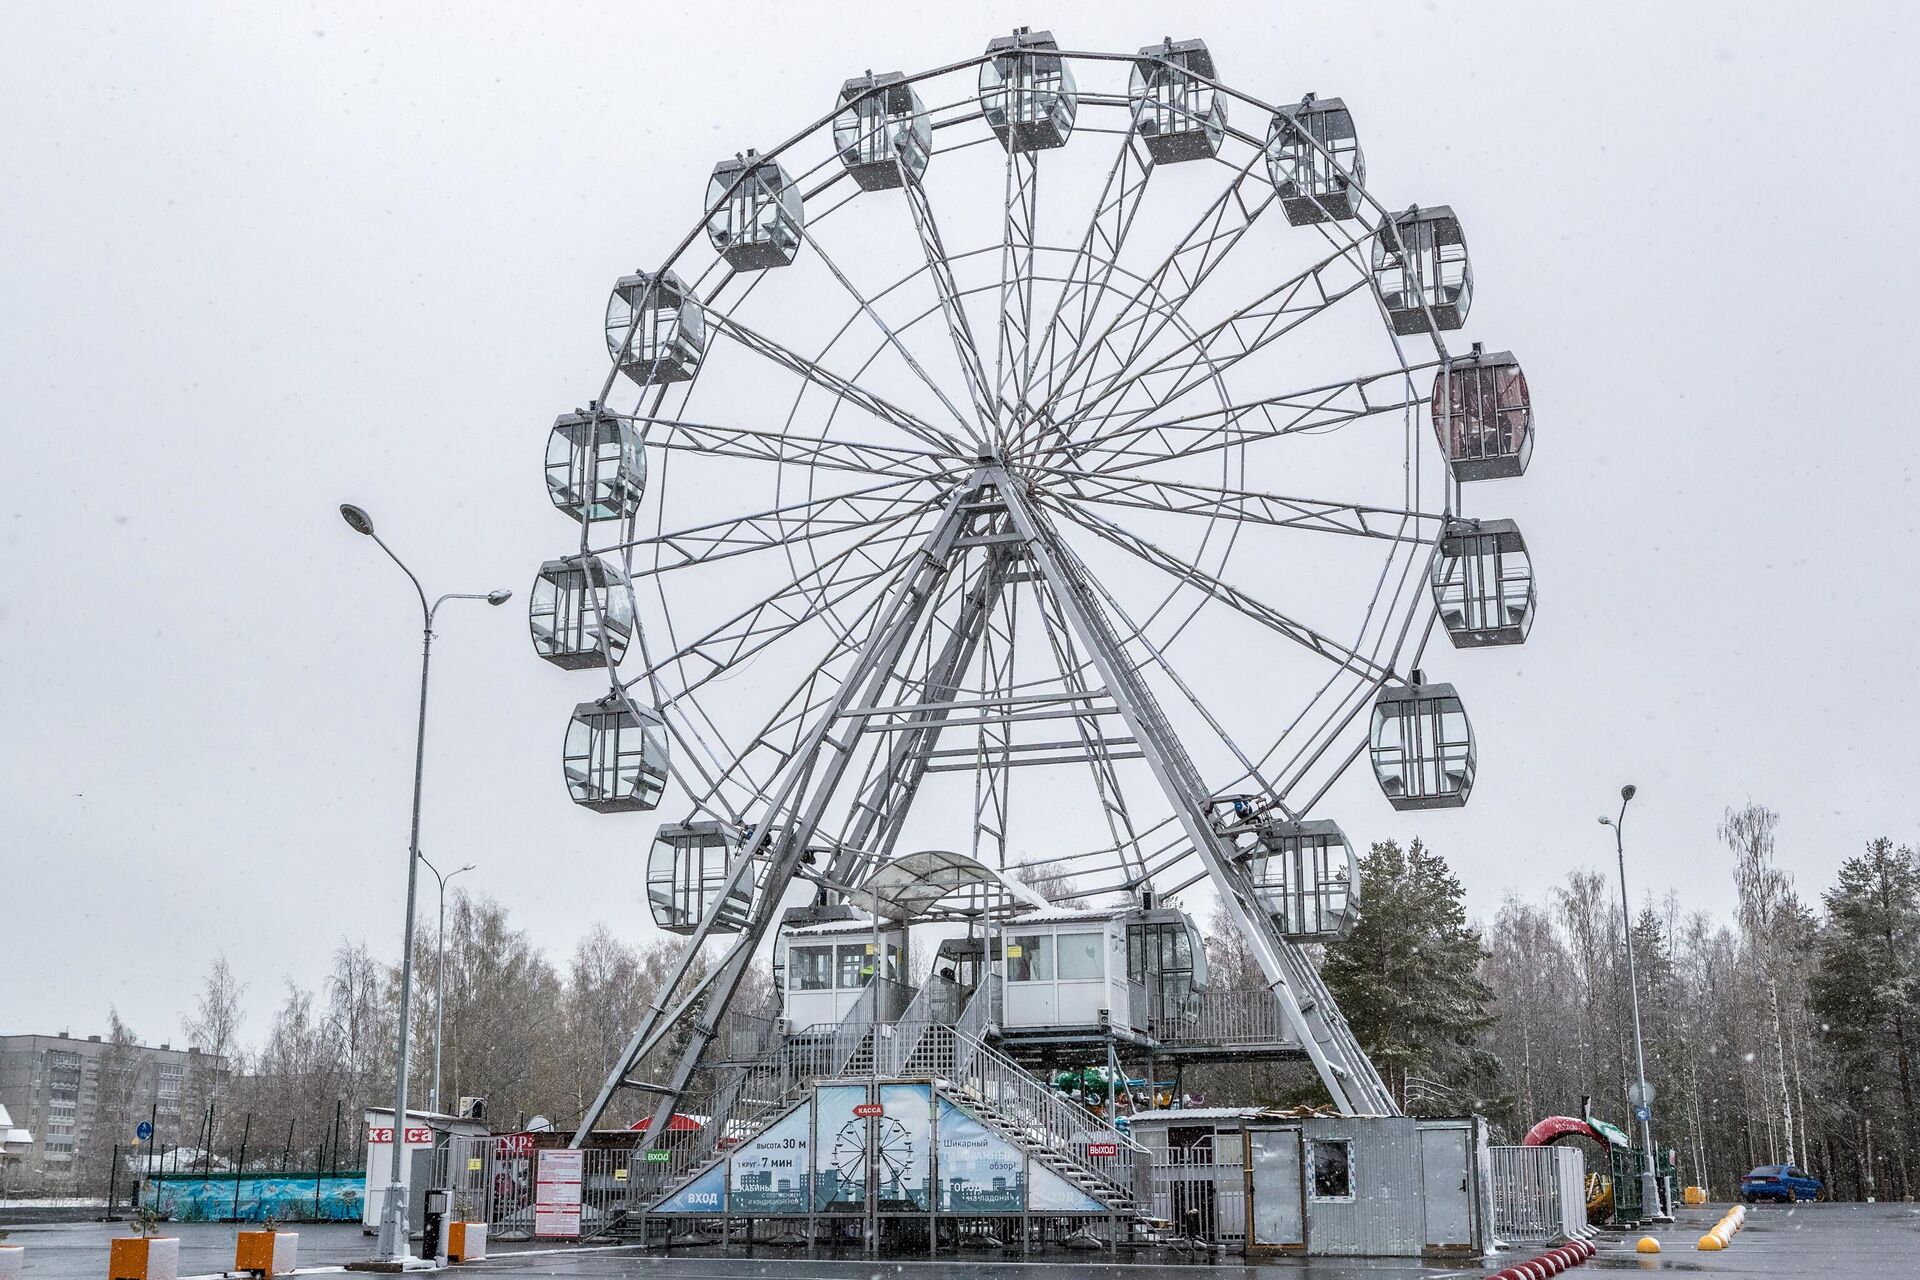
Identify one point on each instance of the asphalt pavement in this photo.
(1807, 1241)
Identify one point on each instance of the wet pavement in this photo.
(1804, 1241)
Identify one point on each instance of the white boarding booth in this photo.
(1068, 968)
(828, 967)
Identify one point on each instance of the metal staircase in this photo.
(958, 1064)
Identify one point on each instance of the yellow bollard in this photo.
(1647, 1245)
(1710, 1243)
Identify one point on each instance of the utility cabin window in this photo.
(1080, 956)
(1030, 957)
(1332, 1168)
(812, 968)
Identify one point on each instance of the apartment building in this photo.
(70, 1092)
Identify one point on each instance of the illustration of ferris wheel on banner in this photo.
(1055, 458)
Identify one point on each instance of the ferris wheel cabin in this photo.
(1068, 973)
(882, 129)
(1179, 117)
(615, 756)
(596, 467)
(656, 331)
(1483, 416)
(1027, 92)
(756, 219)
(1315, 162)
(827, 967)
(1305, 875)
(1420, 265)
(687, 872)
(1421, 746)
(1483, 584)
(581, 613)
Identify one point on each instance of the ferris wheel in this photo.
(1056, 459)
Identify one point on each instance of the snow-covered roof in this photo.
(1183, 1115)
(840, 928)
(1066, 915)
(11, 1134)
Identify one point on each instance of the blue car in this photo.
(1780, 1182)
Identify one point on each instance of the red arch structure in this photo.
(1557, 1128)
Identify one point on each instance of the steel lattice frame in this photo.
(946, 448)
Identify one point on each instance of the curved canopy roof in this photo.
(911, 886)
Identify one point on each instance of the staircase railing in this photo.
(894, 1050)
(1040, 1116)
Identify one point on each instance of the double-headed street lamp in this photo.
(1641, 1095)
(394, 1235)
(440, 976)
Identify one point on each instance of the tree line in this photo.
(1782, 1035)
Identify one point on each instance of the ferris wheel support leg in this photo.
(797, 791)
(1343, 1066)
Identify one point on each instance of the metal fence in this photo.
(1539, 1193)
(1201, 1198)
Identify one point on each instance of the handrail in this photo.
(914, 1021)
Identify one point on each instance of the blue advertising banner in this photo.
(292, 1197)
(840, 1149)
(1048, 1191)
(903, 1148)
(705, 1194)
(980, 1172)
(771, 1172)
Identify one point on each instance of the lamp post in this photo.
(1641, 1096)
(394, 1236)
(440, 975)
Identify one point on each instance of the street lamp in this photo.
(394, 1236)
(1641, 1096)
(440, 975)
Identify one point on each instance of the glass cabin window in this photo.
(1030, 957)
(1420, 265)
(882, 128)
(1080, 956)
(596, 466)
(615, 756)
(1311, 151)
(812, 968)
(1422, 746)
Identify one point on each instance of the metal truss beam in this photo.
(1343, 1066)
(781, 837)
(785, 448)
(1265, 614)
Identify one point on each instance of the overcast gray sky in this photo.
(257, 260)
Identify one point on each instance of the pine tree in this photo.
(1408, 980)
(1866, 992)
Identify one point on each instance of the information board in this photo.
(556, 1194)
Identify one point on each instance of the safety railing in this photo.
(1227, 1019)
(894, 1049)
(1538, 1193)
(1032, 1110)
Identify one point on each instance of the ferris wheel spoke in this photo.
(1093, 265)
(892, 339)
(792, 606)
(846, 391)
(1312, 409)
(1212, 352)
(1393, 524)
(1015, 322)
(780, 737)
(817, 518)
(1193, 258)
(785, 448)
(940, 271)
(1234, 598)
(1093, 738)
